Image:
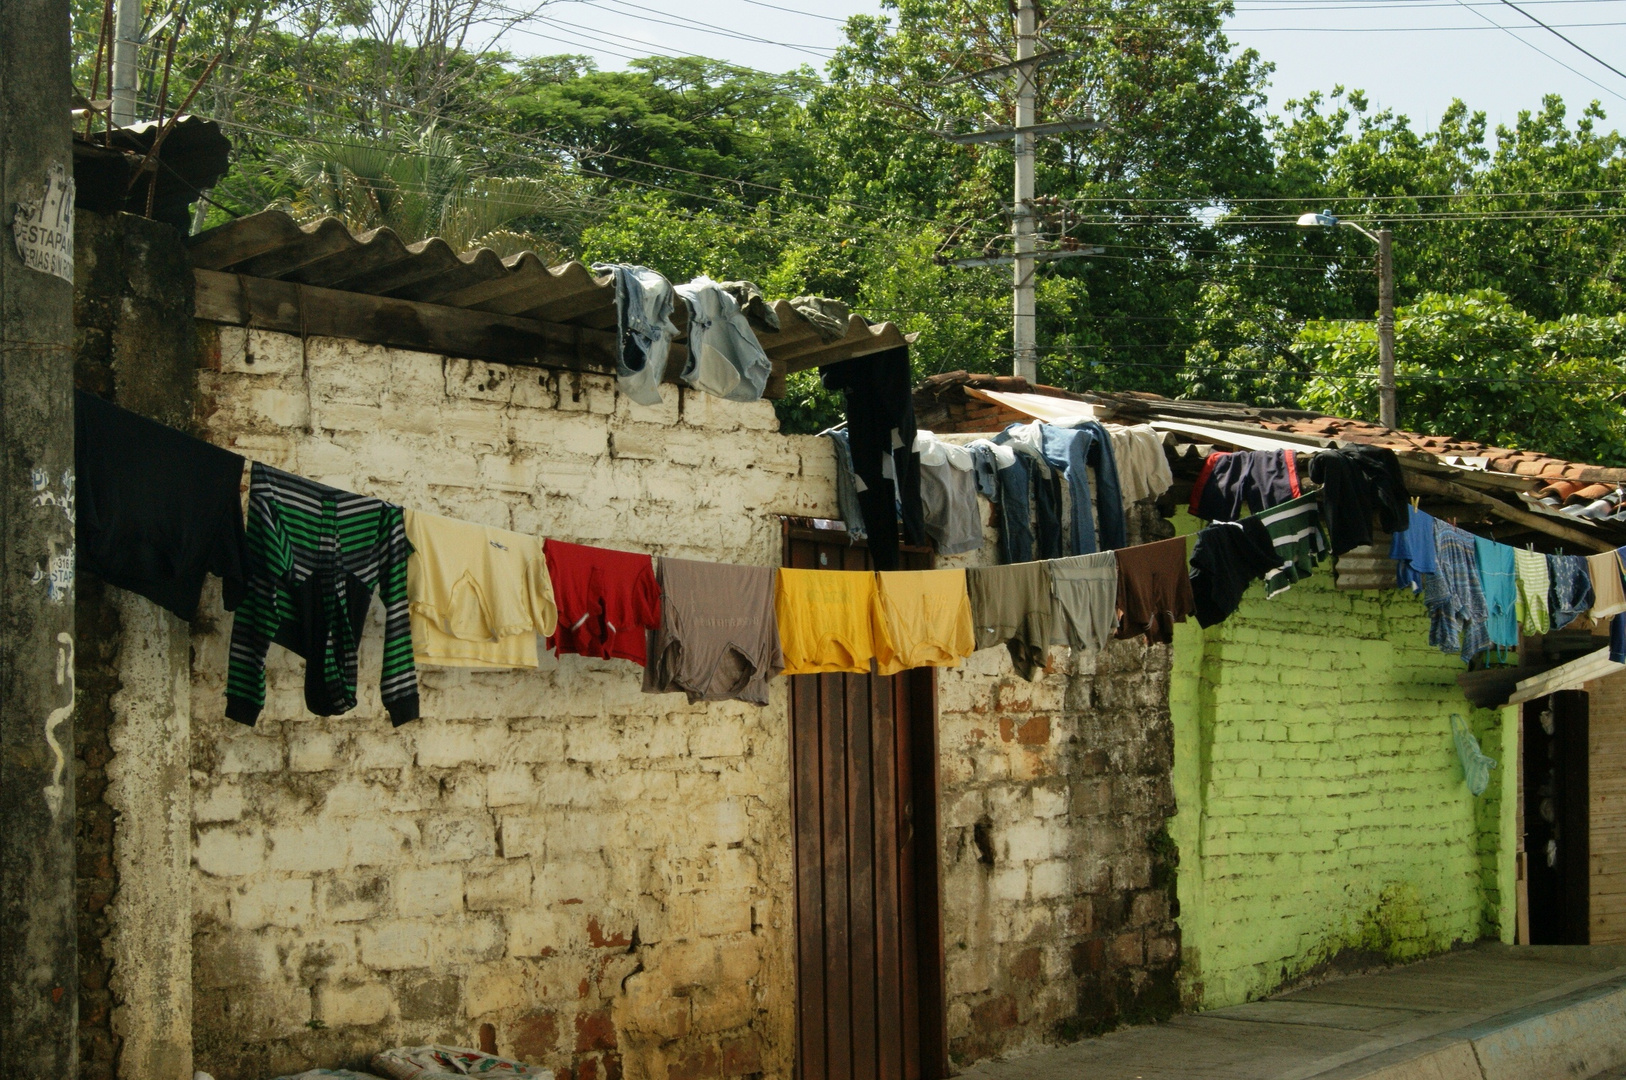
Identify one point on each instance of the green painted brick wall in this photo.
(1323, 816)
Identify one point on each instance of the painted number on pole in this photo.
(44, 228)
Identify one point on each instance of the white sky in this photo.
(1410, 55)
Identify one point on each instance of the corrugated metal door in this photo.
(869, 946)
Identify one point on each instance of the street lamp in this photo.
(1386, 305)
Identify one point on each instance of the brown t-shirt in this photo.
(718, 639)
(1154, 590)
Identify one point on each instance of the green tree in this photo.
(1474, 365)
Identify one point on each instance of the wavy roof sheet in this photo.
(326, 254)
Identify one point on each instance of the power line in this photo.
(1544, 52)
(1572, 44)
(710, 27)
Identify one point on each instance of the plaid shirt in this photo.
(1456, 602)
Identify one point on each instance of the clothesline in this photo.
(158, 509)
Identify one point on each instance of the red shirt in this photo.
(607, 600)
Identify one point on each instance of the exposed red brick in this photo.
(695, 1065)
(595, 1031)
(996, 1014)
(587, 1069)
(742, 1056)
(1036, 732)
(1027, 966)
(1007, 729)
(612, 1066)
(595, 934)
(533, 1036)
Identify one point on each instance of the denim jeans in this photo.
(1075, 451)
(725, 357)
(643, 312)
(1023, 489)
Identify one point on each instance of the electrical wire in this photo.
(1572, 44)
(1532, 45)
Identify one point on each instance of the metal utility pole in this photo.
(1386, 329)
(39, 983)
(1024, 316)
(126, 57)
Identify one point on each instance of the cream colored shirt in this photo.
(478, 596)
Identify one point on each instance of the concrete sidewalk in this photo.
(1492, 1012)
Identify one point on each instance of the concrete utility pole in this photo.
(1386, 329)
(1024, 326)
(39, 984)
(126, 61)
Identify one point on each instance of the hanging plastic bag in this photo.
(1476, 765)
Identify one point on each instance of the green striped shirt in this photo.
(315, 555)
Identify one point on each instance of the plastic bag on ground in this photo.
(444, 1062)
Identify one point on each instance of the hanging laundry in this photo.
(848, 485)
(1011, 605)
(1617, 639)
(948, 495)
(725, 358)
(644, 329)
(718, 638)
(829, 317)
(753, 305)
(1295, 532)
(479, 596)
(1356, 482)
(315, 555)
(1258, 479)
(155, 510)
(1154, 590)
(1498, 579)
(1075, 452)
(1028, 487)
(1530, 570)
(1608, 596)
(1412, 549)
(607, 600)
(1453, 595)
(1227, 558)
(1571, 592)
(1143, 466)
(881, 433)
(987, 459)
(830, 620)
(1084, 597)
(928, 619)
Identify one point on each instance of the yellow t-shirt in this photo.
(829, 620)
(928, 619)
(478, 596)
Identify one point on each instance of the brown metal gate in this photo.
(864, 792)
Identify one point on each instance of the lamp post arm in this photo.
(1369, 234)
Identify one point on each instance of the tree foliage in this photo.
(1509, 251)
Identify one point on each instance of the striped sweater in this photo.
(315, 556)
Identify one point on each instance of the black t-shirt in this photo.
(156, 508)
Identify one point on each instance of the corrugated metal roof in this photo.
(326, 254)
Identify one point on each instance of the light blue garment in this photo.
(1476, 764)
(644, 329)
(725, 358)
(1498, 578)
